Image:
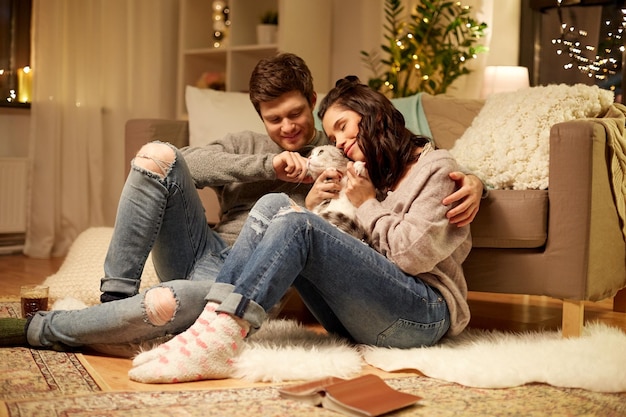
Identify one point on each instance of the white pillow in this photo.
(213, 114)
(508, 143)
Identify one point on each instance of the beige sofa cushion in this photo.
(449, 117)
(511, 219)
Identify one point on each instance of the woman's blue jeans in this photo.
(350, 288)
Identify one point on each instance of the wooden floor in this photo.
(489, 311)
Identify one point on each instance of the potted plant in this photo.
(267, 29)
(427, 51)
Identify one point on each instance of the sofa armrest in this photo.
(584, 225)
(141, 131)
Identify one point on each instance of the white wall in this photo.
(503, 19)
(504, 48)
(357, 26)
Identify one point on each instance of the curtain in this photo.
(96, 64)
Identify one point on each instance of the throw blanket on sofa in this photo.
(413, 112)
(613, 122)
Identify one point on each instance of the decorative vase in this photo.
(266, 34)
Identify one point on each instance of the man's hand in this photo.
(291, 167)
(468, 195)
(327, 186)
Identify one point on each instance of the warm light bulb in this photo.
(24, 84)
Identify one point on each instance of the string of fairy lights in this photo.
(607, 56)
(221, 22)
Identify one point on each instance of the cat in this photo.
(338, 211)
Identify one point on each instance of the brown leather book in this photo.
(367, 395)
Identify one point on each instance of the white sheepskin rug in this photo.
(507, 145)
(284, 350)
(596, 361)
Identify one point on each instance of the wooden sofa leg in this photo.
(573, 318)
(619, 301)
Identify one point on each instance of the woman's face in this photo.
(342, 127)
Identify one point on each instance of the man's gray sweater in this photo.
(239, 168)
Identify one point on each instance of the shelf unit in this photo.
(304, 29)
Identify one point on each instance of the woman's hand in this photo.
(359, 188)
(468, 195)
(291, 167)
(327, 186)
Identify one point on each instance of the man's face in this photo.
(289, 120)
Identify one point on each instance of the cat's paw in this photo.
(359, 168)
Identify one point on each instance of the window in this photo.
(15, 39)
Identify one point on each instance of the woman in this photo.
(407, 290)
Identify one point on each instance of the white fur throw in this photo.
(507, 145)
(79, 275)
(493, 359)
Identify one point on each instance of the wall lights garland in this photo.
(221, 22)
(606, 61)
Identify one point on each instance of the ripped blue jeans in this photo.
(119, 322)
(158, 213)
(351, 289)
(162, 214)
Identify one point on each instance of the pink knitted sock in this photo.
(204, 351)
(206, 317)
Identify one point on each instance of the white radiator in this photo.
(13, 186)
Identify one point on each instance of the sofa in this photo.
(565, 242)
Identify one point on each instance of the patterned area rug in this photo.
(28, 373)
(44, 383)
(440, 399)
(40, 374)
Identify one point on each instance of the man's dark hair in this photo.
(280, 74)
